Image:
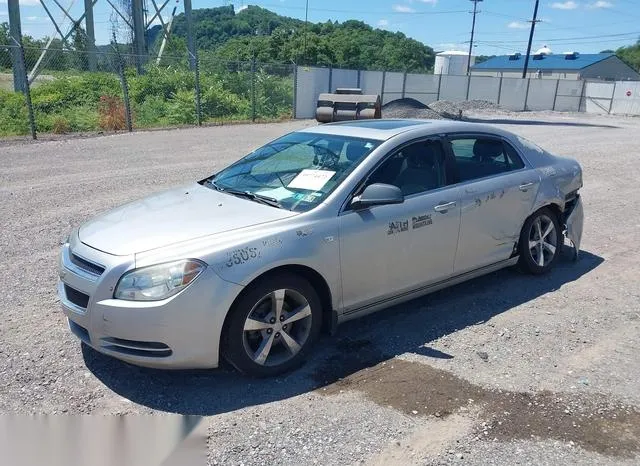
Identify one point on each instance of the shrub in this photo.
(274, 96)
(78, 118)
(153, 111)
(182, 110)
(84, 101)
(61, 125)
(217, 103)
(112, 113)
(82, 118)
(14, 117)
(160, 82)
(76, 90)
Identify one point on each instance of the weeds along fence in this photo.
(59, 94)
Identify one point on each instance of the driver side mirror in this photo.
(378, 194)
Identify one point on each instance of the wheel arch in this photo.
(551, 205)
(316, 280)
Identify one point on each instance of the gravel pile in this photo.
(439, 110)
(453, 108)
(409, 108)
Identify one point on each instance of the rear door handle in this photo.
(525, 187)
(444, 207)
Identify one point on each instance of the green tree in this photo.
(630, 55)
(225, 36)
(80, 49)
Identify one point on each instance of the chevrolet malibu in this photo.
(317, 227)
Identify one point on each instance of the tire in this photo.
(253, 326)
(531, 248)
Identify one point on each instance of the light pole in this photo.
(473, 28)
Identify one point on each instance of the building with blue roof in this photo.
(546, 65)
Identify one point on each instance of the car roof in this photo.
(383, 129)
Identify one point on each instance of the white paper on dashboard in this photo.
(312, 180)
(278, 193)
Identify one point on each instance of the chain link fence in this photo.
(65, 91)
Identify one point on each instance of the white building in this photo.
(452, 62)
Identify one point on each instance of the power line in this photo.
(562, 39)
(364, 12)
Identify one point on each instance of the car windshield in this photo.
(295, 172)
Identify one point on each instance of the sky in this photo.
(502, 26)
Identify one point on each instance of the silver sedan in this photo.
(320, 226)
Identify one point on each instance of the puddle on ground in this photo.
(599, 425)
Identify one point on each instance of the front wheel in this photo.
(273, 326)
(540, 242)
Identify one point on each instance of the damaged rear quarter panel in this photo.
(557, 180)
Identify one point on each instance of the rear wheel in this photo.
(540, 242)
(273, 326)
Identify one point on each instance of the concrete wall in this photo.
(626, 98)
(541, 94)
(598, 97)
(310, 83)
(393, 86)
(513, 93)
(422, 87)
(569, 96)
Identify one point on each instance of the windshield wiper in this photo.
(270, 201)
(211, 182)
(253, 196)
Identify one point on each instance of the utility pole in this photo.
(91, 36)
(15, 31)
(138, 34)
(473, 29)
(306, 19)
(533, 26)
(191, 40)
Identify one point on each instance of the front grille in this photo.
(76, 297)
(87, 266)
(149, 349)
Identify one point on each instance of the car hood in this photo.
(169, 217)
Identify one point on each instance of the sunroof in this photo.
(381, 124)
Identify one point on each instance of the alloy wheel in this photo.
(277, 327)
(543, 240)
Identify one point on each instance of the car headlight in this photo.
(158, 282)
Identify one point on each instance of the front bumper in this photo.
(575, 225)
(181, 332)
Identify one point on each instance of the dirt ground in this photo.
(504, 369)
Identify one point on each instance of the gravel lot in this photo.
(505, 369)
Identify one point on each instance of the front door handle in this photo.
(444, 207)
(525, 187)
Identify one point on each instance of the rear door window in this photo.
(479, 157)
